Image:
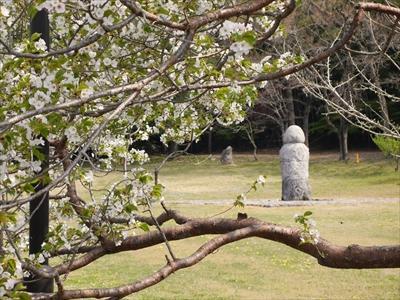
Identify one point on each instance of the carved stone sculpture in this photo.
(226, 156)
(294, 156)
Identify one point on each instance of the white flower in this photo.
(10, 284)
(36, 166)
(92, 54)
(86, 93)
(89, 176)
(261, 179)
(203, 6)
(4, 11)
(72, 135)
(172, 7)
(41, 258)
(107, 61)
(59, 7)
(229, 27)
(39, 100)
(139, 155)
(41, 45)
(285, 55)
(240, 48)
(36, 81)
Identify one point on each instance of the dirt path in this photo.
(279, 203)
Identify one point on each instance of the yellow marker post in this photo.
(357, 158)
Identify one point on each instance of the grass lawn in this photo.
(199, 178)
(261, 269)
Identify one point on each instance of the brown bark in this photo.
(229, 230)
(370, 6)
(196, 227)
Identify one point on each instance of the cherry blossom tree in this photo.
(116, 72)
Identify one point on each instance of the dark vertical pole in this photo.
(39, 207)
(210, 141)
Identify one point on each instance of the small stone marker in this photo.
(294, 156)
(226, 156)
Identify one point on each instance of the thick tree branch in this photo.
(370, 6)
(335, 256)
(352, 256)
(161, 219)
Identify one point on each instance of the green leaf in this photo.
(308, 213)
(163, 11)
(28, 188)
(249, 37)
(6, 217)
(24, 296)
(35, 36)
(143, 226)
(145, 178)
(130, 207)
(38, 154)
(157, 191)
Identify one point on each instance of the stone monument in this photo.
(226, 156)
(294, 156)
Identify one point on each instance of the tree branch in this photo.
(335, 256)
(352, 256)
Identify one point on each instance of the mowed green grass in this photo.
(261, 269)
(202, 178)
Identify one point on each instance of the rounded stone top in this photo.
(294, 134)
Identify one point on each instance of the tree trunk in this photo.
(209, 141)
(343, 139)
(307, 109)
(342, 134)
(291, 117)
(250, 136)
(172, 147)
(382, 99)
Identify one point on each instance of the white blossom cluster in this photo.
(229, 27)
(83, 87)
(309, 233)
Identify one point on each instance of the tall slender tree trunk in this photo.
(343, 139)
(291, 117)
(209, 145)
(250, 136)
(342, 134)
(306, 116)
